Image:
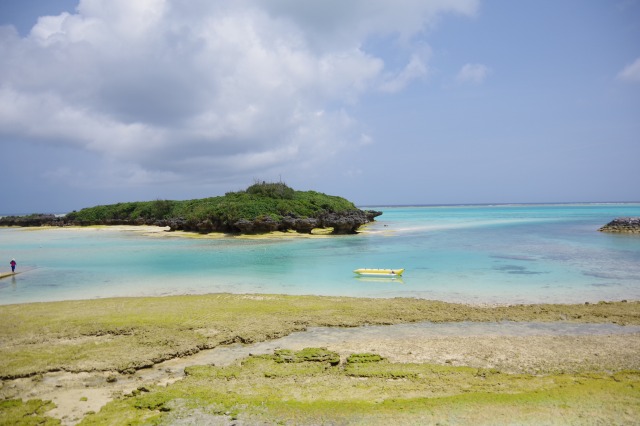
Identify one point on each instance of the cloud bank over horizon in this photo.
(165, 92)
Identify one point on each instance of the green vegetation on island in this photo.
(262, 207)
(274, 200)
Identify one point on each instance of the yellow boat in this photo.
(379, 272)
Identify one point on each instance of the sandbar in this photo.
(159, 231)
(7, 274)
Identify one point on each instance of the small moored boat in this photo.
(379, 272)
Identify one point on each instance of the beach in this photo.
(129, 344)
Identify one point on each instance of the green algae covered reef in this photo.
(347, 385)
(125, 334)
(368, 390)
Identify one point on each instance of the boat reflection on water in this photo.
(387, 279)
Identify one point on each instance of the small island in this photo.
(262, 208)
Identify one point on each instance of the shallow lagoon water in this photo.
(471, 254)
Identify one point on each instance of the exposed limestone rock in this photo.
(259, 225)
(342, 223)
(623, 224)
(301, 225)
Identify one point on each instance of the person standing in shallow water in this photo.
(13, 265)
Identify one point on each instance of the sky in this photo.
(379, 101)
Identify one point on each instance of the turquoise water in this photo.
(477, 254)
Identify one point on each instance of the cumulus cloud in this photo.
(209, 87)
(631, 72)
(472, 73)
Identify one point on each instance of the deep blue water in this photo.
(478, 254)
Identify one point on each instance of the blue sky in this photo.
(378, 101)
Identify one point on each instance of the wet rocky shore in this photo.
(342, 223)
(623, 225)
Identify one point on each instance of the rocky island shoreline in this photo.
(261, 208)
(342, 223)
(623, 225)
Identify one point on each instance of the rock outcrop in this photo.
(623, 224)
(32, 220)
(345, 223)
(342, 223)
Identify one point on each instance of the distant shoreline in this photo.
(552, 204)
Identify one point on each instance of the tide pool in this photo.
(472, 254)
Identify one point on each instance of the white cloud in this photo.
(631, 72)
(205, 88)
(365, 139)
(335, 22)
(416, 68)
(473, 74)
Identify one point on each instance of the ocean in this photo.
(488, 254)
